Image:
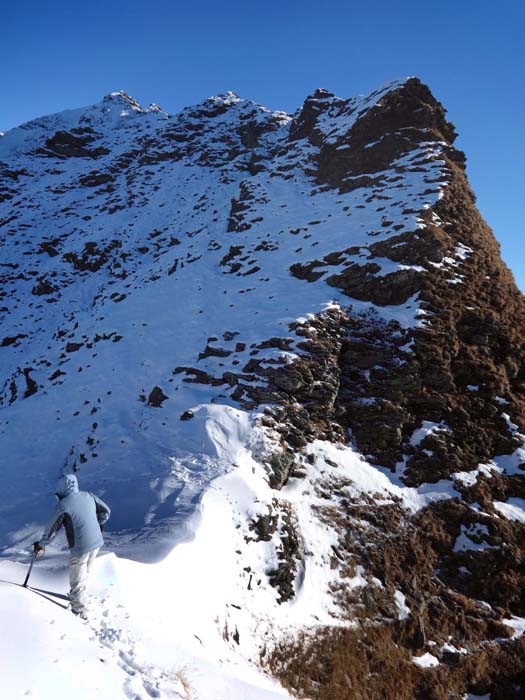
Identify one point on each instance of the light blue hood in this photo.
(66, 485)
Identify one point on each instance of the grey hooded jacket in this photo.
(81, 513)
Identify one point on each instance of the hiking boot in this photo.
(82, 614)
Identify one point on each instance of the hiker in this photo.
(83, 516)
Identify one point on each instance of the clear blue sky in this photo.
(57, 54)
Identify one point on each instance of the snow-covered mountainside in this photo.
(285, 350)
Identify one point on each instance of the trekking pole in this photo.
(30, 567)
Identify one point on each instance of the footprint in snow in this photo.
(144, 681)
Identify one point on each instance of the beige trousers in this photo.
(79, 568)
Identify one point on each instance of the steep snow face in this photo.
(145, 258)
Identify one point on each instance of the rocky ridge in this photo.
(328, 270)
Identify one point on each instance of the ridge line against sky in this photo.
(62, 55)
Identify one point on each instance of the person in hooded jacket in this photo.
(83, 516)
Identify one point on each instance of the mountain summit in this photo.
(299, 328)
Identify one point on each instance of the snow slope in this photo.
(171, 284)
(133, 646)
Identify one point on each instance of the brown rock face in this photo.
(387, 131)
(463, 371)
(470, 350)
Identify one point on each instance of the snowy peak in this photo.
(122, 98)
(396, 106)
(227, 98)
(67, 134)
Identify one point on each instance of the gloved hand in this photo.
(37, 548)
